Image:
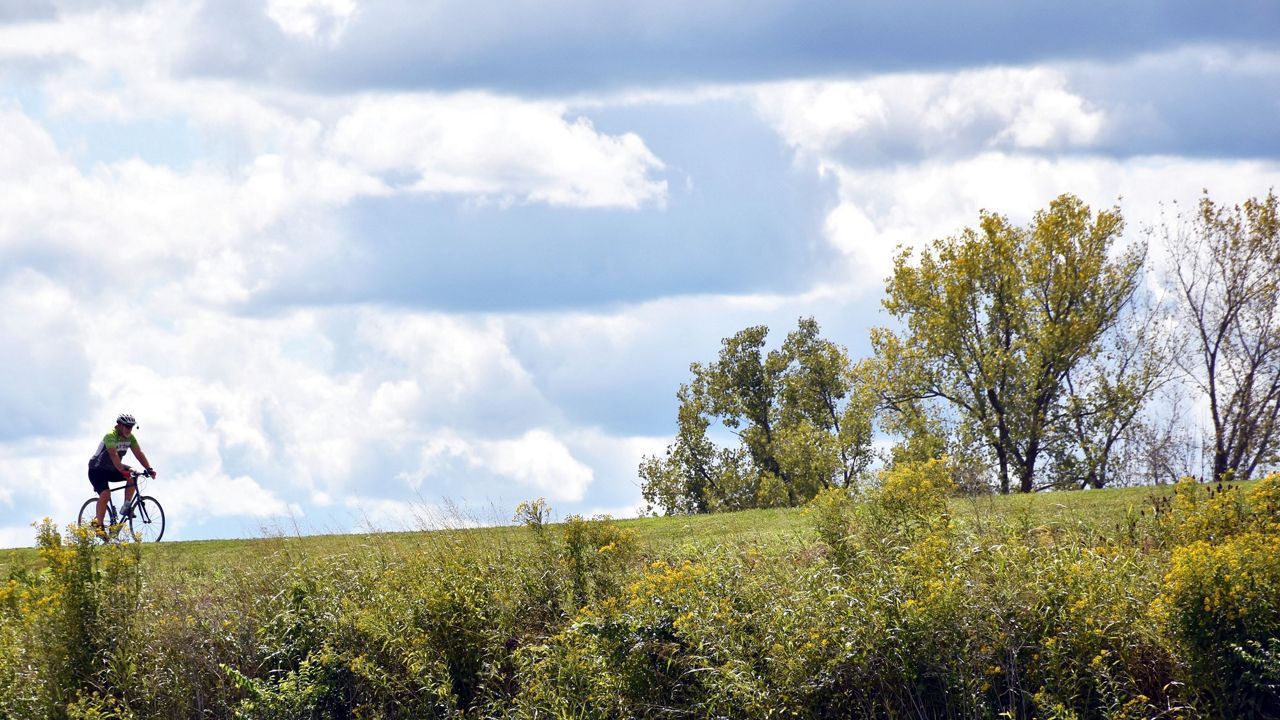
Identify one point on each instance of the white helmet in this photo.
(126, 419)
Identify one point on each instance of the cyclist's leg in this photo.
(130, 490)
(103, 498)
(100, 479)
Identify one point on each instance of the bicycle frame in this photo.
(116, 513)
(143, 513)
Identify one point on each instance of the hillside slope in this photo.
(902, 603)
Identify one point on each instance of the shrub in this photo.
(1222, 604)
(1264, 504)
(22, 686)
(192, 625)
(916, 488)
(344, 640)
(1201, 512)
(1086, 645)
(910, 503)
(899, 612)
(831, 513)
(533, 514)
(70, 629)
(295, 669)
(596, 553)
(627, 656)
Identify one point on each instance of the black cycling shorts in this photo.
(99, 477)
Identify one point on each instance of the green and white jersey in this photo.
(113, 439)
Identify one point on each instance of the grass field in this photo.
(1100, 510)
(903, 602)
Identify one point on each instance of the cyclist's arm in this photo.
(137, 452)
(115, 460)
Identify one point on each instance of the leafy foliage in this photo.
(802, 414)
(999, 319)
(1219, 599)
(1227, 270)
(898, 601)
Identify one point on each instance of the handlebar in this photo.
(133, 476)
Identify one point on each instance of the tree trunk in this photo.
(1027, 472)
(1003, 456)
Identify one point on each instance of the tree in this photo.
(924, 429)
(1161, 449)
(1226, 270)
(996, 319)
(1104, 429)
(801, 415)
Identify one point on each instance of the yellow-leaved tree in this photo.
(1011, 334)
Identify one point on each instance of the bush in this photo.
(894, 610)
(533, 514)
(71, 629)
(596, 553)
(1264, 504)
(1077, 633)
(910, 504)
(831, 513)
(911, 497)
(1222, 604)
(643, 654)
(195, 623)
(1201, 512)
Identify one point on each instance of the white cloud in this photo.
(24, 144)
(42, 477)
(194, 498)
(496, 147)
(821, 115)
(324, 20)
(294, 147)
(1053, 118)
(893, 117)
(194, 236)
(880, 209)
(259, 410)
(130, 283)
(224, 393)
(45, 364)
(383, 515)
(448, 370)
(16, 536)
(537, 460)
(541, 461)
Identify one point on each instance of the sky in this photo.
(384, 265)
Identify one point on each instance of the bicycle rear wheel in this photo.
(88, 512)
(147, 521)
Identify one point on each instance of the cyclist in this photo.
(106, 467)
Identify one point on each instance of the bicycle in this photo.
(143, 513)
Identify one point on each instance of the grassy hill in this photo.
(904, 602)
(1101, 510)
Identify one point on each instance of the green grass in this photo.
(1101, 511)
(901, 603)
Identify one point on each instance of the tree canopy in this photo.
(997, 319)
(801, 416)
(1227, 270)
(1026, 356)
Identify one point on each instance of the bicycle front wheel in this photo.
(147, 522)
